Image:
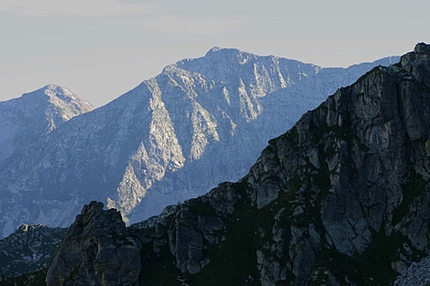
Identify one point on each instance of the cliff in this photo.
(175, 136)
(341, 198)
(30, 248)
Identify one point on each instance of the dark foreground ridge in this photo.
(342, 198)
(96, 248)
(29, 248)
(173, 137)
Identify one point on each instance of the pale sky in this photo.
(100, 49)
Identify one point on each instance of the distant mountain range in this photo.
(24, 120)
(341, 198)
(200, 122)
(28, 249)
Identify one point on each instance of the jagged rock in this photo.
(24, 120)
(339, 199)
(422, 48)
(223, 198)
(193, 226)
(96, 251)
(416, 274)
(342, 198)
(377, 130)
(200, 122)
(30, 248)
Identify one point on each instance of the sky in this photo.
(100, 49)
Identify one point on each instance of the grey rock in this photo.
(96, 251)
(24, 120)
(30, 248)
(200, 122)
(416, 274)
(367, 187)
(342, 198)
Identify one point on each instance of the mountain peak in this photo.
(57, 94)
(422, 48)
(220, 50)
(116, 253)
(341, 198)
(35, 113)
(63, 93)
(48, 90)
(214, 50)
(416, 64)
(230, 53)
(151, 147)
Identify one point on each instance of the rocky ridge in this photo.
(24, 120)
(416, 274)
(341, 198)
(30, 248)
(200, 122)
(95, 250)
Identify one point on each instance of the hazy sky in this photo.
(100, 49)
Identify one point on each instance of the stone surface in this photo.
(339, 199)
(200, 122)
(416, 274)
(342, 198)
(30, 248)
(96, 251)
(24, 120)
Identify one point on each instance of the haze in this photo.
(100, 49)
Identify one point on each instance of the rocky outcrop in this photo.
(96, 251)
(416, 274)
(24, 120)
(173, 137)
(342, 198)
(353, 174)
(30, 248)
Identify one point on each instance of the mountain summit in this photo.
(342, 198)
(24, 120)
(199, 122)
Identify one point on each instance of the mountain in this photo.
(28, 249)
(199, 122)
(24, 120)
(342, 198)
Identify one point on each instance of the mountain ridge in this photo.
(340, 198)
(135, 152)
(28, 249)
(34, 114)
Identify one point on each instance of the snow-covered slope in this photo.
(200, 122)
(23, 120)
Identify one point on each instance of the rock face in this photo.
(415, 274)
(24, 120)
(342, 198)
(28, 249)
(96, 251)
(200, 122)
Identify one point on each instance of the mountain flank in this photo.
(342, 198)
(28, 249)
(24, 120)
(200, 122)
